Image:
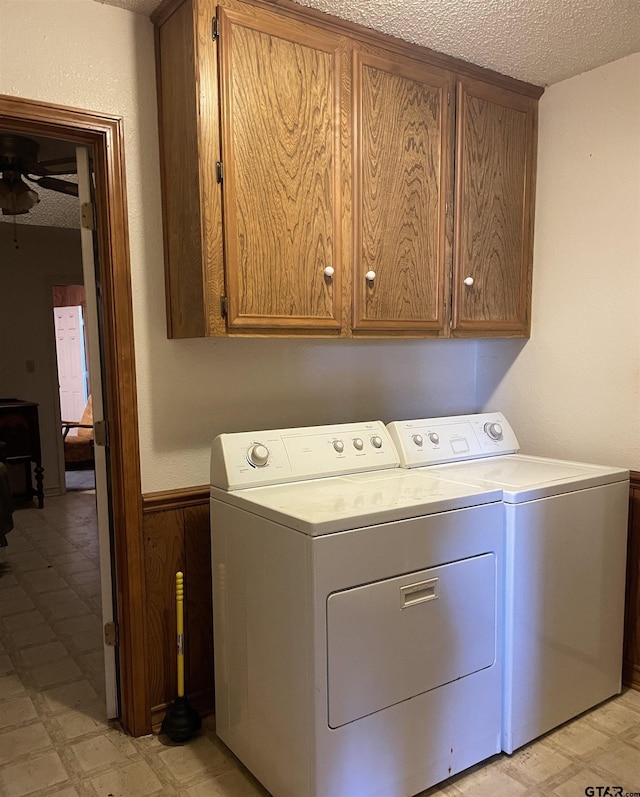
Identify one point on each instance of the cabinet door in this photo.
(281, 138)
(495, 178)
(402, 180)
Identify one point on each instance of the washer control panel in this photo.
(433, 441)
(252, 459)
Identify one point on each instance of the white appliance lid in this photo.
(343, 503)
(524, 478)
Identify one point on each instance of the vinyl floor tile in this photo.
(577, 738)
(38, 772)
(43, 654)
(18, 622)
(536, 763)
(34, 635)
(135, 779)
(621, 763)
(23, 741)
(16, 712)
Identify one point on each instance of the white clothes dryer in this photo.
(565, 549)
(357, 614)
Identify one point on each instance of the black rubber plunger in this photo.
(181, 721)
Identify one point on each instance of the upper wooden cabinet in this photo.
(495, 173)
(402, 190)
(281, 150)
(313, 172)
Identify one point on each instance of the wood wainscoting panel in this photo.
(177, 537)
(631, 667)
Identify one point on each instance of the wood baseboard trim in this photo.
(180, 498)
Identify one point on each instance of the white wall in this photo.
(96, 57)
(574, 389)
(45, 257)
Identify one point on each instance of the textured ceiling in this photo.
(540, 41)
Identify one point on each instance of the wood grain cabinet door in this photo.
(495, 177)
(281, 142)
(402, 180)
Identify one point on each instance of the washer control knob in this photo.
(434, 437)
(376, 441)
(358, 444)
(417, 439)
(338, 445)
(258, 455)
(494, 430)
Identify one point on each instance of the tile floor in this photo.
(56, 741)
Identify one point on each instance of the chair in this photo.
(78, 448)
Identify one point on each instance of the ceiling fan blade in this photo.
(54, 167)
(53, 184)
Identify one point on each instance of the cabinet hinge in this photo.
(446, 208)
(86, 216)
(101, 433)
(224, 306)
(215, 29)
(448, 98)
(111, 634)
(219, 171)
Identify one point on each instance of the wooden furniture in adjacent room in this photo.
(78, 447)
(20, 431)
(6, 502)
(320, 178)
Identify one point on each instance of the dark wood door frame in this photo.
(104, 135)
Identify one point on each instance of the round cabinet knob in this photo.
(329, 271)
(434, 437)
(370, 276)
(258, 455)
(468, 281)
(417, 439)
(338, 446)
(376, 441)
(494, 430)
(358, 444)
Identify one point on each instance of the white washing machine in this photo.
(357, 614)
(565, 547)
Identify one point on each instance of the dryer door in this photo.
(391, 640)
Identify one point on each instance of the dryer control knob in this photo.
(358, 444)
(338, 446)
(258, 455)
(417, 439)
(434, 437)
(494, 430)
(376, 441)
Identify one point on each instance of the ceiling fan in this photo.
(19, 162)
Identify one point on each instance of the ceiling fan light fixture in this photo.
(16, 197)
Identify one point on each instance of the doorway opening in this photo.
(57, 383)
(102, 136)
(74, 386)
